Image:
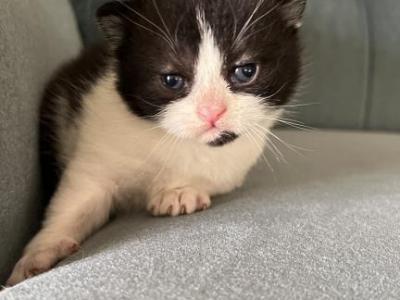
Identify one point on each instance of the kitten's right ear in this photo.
(111, 19)
(293, 11)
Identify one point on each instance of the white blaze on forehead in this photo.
(210, 60)
(211, 90)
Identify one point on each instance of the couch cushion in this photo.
(35, 38)
(324, 225)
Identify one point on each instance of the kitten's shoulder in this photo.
(62, 103)
(77, 77)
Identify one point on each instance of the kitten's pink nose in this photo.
(211, 112)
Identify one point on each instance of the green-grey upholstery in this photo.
(353, 64)
(324, 225)
(336, 70)
(35, 38)
(384, 90)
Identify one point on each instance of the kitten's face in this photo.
(206, 70)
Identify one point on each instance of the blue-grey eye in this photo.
(244, 74)
(173, 81)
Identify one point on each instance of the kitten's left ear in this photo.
(111, 19)
(293, 10)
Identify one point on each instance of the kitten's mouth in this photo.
(225, 138)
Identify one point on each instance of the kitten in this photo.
(172, 109)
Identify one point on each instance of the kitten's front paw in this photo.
(37, 262)
(178, 202)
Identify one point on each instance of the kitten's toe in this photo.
(178, 202)
(170, 204)
(192, 200)
(37, 262)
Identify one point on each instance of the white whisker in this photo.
(263, 16)
(251, 23)
(276, 93)
(274, 149)
(162, 33)
(295, 125)
(254, 141)
(293, 148)
(167, 31)
(246, 24)
(234, 18)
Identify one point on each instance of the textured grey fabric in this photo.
(35, 37)
(323, 226)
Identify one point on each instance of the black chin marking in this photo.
(225, 138)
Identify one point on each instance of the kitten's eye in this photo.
(244, 74)
(173, 81)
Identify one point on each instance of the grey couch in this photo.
(323, 225)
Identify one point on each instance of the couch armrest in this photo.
(36, 37)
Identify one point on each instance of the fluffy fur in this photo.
(113, 136)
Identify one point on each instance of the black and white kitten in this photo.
(173, 109)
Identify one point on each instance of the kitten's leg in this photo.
(179, 201)
(81, 205)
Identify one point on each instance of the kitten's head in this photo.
(204, 69)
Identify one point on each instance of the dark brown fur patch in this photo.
(157, 37)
